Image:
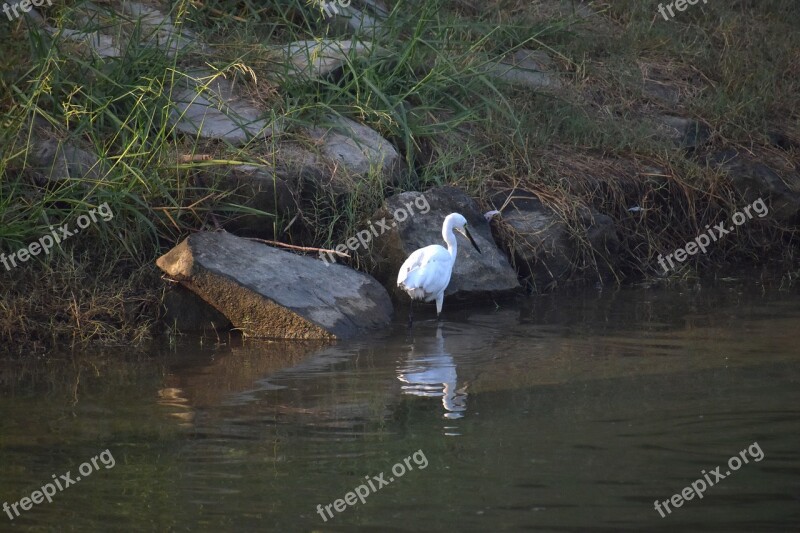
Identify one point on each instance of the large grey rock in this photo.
(251, 188)
(98, 43)
(30, 12)
(474, 274)
(208, 105)
(298, 163)
(754, 180)
(544, 249)
(528, 68)
(315, 59)
(355, 150)
(360, 17)
(106, 30)
(57, 160)
(267, 292)
(662, 91)
(783, 140)
(660, 83)
(158, 29)
(186, 311)
(683, 132)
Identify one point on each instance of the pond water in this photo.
(567, 412)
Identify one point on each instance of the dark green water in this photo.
(573, 413)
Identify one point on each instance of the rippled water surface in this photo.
(564, 413)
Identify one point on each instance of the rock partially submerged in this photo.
(412, 226)
(186, 311)
(266, 292)
(545, 250)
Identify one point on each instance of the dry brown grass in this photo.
(70, 305)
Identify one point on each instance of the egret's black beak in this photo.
(469, 236)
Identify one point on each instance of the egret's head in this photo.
(458, 223)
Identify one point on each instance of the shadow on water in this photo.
(565, 413)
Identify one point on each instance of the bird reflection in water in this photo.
(433, 374)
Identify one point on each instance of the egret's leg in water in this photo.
(411, 313)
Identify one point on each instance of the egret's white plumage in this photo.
(426, 273)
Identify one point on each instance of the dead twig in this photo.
(190, 158)
(301, 248)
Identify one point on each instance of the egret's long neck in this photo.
(450, 238)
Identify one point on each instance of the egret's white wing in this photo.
(426, 272)
(414, 261)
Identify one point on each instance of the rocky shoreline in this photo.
(561, 215)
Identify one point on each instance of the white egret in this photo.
(426, 273)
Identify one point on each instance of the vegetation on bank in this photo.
(736, 64)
